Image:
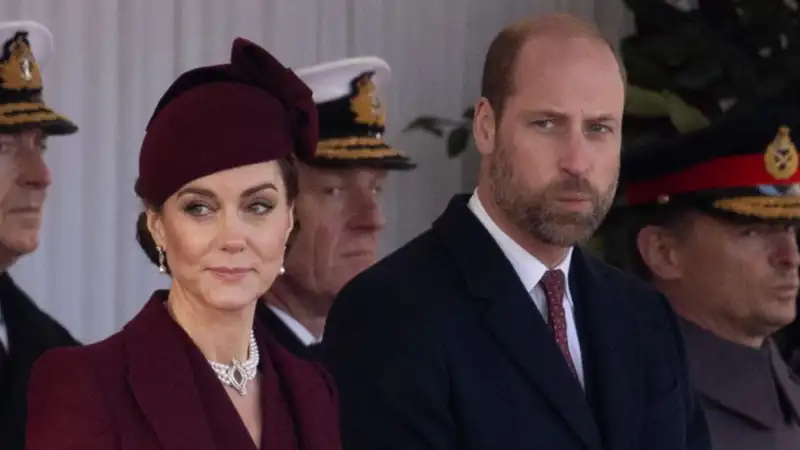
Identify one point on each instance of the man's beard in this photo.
(538, 214)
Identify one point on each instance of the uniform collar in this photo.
(742, 379)
(297, 328)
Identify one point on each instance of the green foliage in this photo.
(687, 68)
(651, 116)
(725, 52)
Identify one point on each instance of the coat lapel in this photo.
(310, 414)
(31, 332)
(513, 319)
(611, 359)
(162, 380)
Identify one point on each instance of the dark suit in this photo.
(148, 387)
(284, 335)
(439, 347)
(31, 332)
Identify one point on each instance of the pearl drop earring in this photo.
(162, 260)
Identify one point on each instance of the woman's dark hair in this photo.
(288, 168)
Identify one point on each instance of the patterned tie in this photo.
(553, 284)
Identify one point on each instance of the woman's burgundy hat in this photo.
(220, 117)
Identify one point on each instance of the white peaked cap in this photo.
(332, 80)
(39, 37)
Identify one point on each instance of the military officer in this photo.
(712, 220)
(339, 219)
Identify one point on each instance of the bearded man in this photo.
(492, 330)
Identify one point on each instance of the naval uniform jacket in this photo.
(31, 332)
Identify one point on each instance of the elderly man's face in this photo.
(24, 179)
(339, 223)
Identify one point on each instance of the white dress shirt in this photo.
(530, 271)
(297, 328)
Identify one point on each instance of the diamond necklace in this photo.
(238, 374)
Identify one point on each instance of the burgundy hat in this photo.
(217, 118)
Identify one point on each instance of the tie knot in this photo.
(553, 278)
(553, 284)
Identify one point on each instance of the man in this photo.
(492, 330)
(337, 211)
(25, 124)
(715, 229)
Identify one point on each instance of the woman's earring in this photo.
(162, 263)
(282, 271)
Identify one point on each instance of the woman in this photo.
(191, 370)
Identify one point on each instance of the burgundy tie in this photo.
(553, 284)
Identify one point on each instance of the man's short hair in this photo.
(497, 83)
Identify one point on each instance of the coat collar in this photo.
(528, 267)
(298, 397)
(739, 378)
(28, 334)
(298, 329)
(284, 335)
(518, 327)
(158, 369)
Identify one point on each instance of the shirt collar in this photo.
(297, 328)
(529, 269)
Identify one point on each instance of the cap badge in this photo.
(365, 103)
(25, 67)
(780, 159)
(18, 69)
